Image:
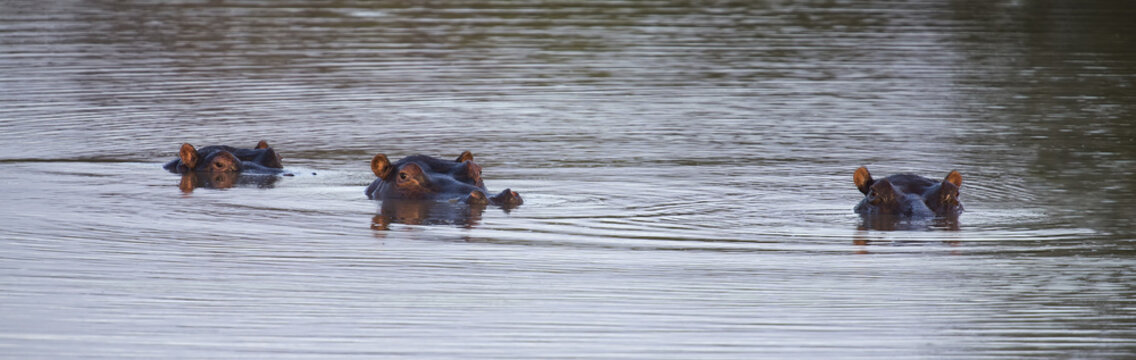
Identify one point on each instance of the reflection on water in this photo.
(685, 168)
(892, 222)
(223, 180)
(421, 212)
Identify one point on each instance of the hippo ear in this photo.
(863, 179)
(262, 145)
(465, 156)
(188, 155)
(954, 178)
(381, 166)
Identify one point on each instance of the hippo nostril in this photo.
(477, 197)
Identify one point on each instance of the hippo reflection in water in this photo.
(224, 180)
(421, 177)
(223, 167)
(415, 212)
(900, 198)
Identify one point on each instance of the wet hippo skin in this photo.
(421, 177)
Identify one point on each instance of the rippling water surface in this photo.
(686, 169)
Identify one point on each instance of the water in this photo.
(686, 167)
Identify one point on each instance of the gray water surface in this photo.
(686, 168)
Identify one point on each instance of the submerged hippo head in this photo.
(210, 159)
(421, 177)
(906, 195)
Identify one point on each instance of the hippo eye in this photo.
(218, 165)
(402, 175)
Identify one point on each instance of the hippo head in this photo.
(884, 198)
(421, 177)
(906, 195)
(214, 159)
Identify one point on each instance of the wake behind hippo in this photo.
(905, 196)
(421, 177)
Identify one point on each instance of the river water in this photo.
(686, 166)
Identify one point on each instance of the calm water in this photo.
(687, 171)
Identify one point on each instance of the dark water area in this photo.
(686, 169)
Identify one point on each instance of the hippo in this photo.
(908, 196)
(421, 177)
(214, 159)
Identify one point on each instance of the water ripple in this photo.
(686, 170)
